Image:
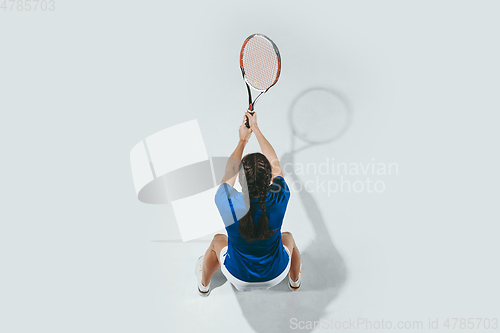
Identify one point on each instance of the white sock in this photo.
(203, 288)
(295, 283)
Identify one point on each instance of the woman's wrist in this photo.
(256, 130)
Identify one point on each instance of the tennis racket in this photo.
(260, 64)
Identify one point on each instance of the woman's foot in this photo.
(295, 285)
(204, 291)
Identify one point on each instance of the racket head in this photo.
(260, 62)
(319, 115)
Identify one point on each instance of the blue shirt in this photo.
(260, 259)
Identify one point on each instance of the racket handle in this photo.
(249, 111)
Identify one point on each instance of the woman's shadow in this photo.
(324, 272)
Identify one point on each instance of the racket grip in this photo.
(247, 123)
(250, 110)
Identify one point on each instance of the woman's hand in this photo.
(244, 131)
(252, 118)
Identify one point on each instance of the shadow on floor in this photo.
(316, 116)
(323, 275)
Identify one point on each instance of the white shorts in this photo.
(247, 286)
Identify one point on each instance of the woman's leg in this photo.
(212, 260)
(289, 242)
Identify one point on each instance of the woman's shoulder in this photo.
(279, 189)
(227, 191)
(279, 184)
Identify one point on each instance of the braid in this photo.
(258, 178)
(263, 231)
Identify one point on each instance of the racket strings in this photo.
(260, 63)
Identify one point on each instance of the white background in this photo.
(81, 85)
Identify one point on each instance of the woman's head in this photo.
(255, 178)
(255, 174)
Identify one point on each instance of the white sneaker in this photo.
(294, 286)
(204, 291)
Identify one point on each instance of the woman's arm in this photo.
(265, 146)
(233, 164)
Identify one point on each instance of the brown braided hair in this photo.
(256, 171)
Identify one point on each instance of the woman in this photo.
(255, 254)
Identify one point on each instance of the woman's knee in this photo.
(287, 238)
(218, 243)
(219, 239)
(287, 235)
